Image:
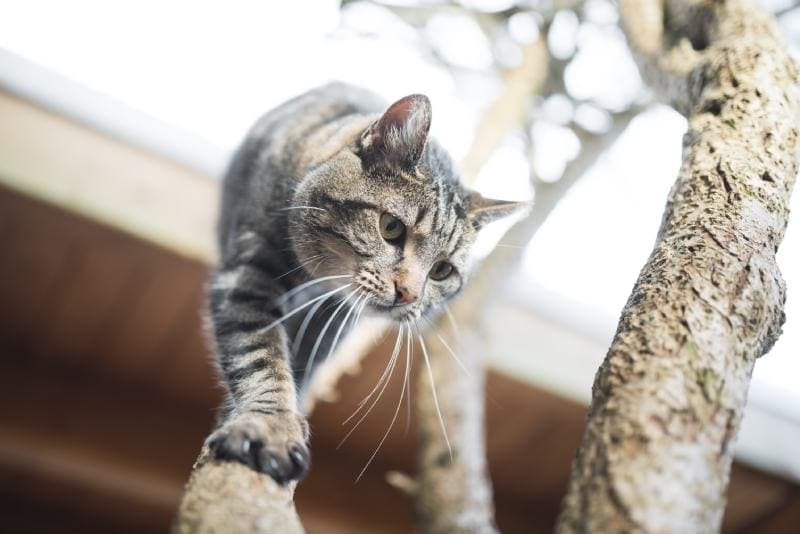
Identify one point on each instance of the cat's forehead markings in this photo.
(453, 226)
(419, 242)
(455, 245)
(416, 248)
(424, 220)
(421, 212)
(452, 231)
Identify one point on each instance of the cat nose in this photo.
(402, 294)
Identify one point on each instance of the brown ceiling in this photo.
(107, 392)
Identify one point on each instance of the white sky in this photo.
(211, 68)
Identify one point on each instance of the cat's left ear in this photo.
(483, 211)
(399, 135)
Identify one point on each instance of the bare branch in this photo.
(669, 397)
(508, 110)
(230, 497)
(786, 9)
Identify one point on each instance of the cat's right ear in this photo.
(483, 211)
(398, 137)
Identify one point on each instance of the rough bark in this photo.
(231, 497)
(668, 399)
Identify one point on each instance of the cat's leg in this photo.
(262, 426)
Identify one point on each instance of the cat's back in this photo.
(281, 130)
(315, 108)
(264, 166)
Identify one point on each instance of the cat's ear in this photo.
(483, 211)
(400, 134)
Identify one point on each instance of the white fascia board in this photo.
(68, 98)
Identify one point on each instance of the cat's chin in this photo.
(399, 313)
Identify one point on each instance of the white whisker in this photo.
(453, 354)
(452, 319)
(295, 290)
(316, 265)
(410, 360)
(321, 336)
(385, 379)
(394, 417)
(301, 332)
(433, 391)
(361, 311)
(309, 260)
(397, 344)
(344, 322)
(300, 308)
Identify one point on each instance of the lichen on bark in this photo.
(669, 397)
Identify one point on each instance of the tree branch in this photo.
(509, 109)
(231, 497)
(668, 399)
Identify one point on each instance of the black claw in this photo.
(273, 467)
(301, 461)
(253, 453)
(269, 465)
(214, 444)
(283, 467)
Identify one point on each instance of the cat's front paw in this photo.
(273, 444)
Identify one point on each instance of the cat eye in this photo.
(441, 270)
(391, 227)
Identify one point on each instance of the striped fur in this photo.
(302, 255)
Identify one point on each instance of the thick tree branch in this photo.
(667, 70)
(231, 497)
(668, 399)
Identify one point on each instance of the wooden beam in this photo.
(75, 167)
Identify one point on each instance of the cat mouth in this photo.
(399, 312)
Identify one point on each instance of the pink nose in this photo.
(404, 295)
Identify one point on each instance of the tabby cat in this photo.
(334, 204)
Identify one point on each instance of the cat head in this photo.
(389, 210)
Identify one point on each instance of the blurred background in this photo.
(116, 123)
